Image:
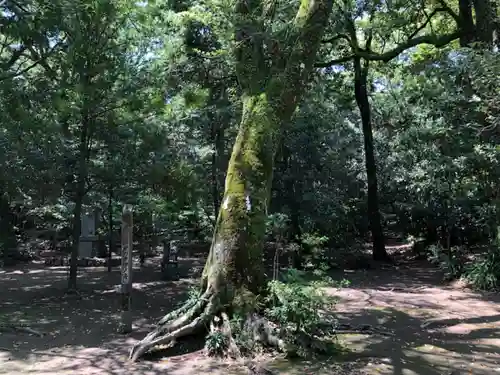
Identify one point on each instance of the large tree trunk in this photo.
(234, 263)
(485, 21)
(270, 96)
(236, 254)
(361, 94)
(466, 23)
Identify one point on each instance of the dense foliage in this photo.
(395, 133)
(362, 121)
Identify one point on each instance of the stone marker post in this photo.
(126, 269)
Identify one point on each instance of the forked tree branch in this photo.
(309, 25)
(436, 41)
(413, 41)
(450, 11)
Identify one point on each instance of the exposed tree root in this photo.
(202, 314)
(206, 313)
(236, 340)
(187, 320)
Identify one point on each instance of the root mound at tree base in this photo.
(191, 318)
(202, 315)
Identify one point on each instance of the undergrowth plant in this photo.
(300, 310)
(295, 316)
(450, 261)
(216, 344)
(485, 273)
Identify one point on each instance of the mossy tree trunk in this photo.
(235, 257)
(272, 86)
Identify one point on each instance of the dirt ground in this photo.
(437, 329)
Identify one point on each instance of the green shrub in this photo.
(451, 262)
(299, 309)
(216, 343)
(485, 273)
(294, 316)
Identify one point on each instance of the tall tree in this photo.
(90, 68)
(272, 75)
(360, 19)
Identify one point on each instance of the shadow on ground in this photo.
(81, 330)
(435, 328)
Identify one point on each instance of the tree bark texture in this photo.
(126, 270)
(8, 242)
(271, 92)
(110, 227)
(361, 94)
(79, 195)
(82, 173)
(270, 97)
(479, 22)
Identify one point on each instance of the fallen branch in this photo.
(363, 329)
(12, 327)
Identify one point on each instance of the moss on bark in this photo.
(235, 257)
(234, 264)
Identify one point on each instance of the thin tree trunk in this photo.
(83, 153)
(77, 213)
(110, 232)
(361, 93)
(293, 193)
(296, 233)
(214, 166)
(218, 123)
(126, 269)
(466, 23)
(8, 242)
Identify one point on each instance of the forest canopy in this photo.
(319, 124)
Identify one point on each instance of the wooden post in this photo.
(127, 227)
(110, 227)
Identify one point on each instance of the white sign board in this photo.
(87, 235)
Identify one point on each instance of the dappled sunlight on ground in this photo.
(81, 330)
(435, 328)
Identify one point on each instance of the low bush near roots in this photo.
(216, 343)
(293, 320)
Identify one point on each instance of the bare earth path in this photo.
(438, 329)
